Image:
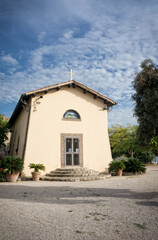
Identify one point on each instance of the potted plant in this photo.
(13, 167)
(36, 174)
(117, 167)
(2, 175)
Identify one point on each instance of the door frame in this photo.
(63, 154)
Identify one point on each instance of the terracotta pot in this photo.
(12, 177)
(119, 172)
(36, 176)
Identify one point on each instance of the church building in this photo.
(62, 126)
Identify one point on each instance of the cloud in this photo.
(41, 36)
(68, 34)
(8, 59)
(103, 42)
(122, 115)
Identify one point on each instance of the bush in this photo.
(134, 165)
(12, 164)
(145, 157)
(116, 165)
(2, 175)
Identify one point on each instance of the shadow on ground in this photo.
(71, 195)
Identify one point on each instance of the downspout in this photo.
(27, 127)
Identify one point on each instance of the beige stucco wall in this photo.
(47, 124)
(18, 131)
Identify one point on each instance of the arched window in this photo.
(71, 114)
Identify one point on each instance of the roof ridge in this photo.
(62, 84)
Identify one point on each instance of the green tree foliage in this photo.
(146, 104)
(3, 130)
(123, 141)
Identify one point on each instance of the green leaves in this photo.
(116, 165)
(3, 130)
(123, 140)
(12, 164)
(134, 165)
(37, 167)
(145, 85)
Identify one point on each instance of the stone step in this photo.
(74, 175)
(70, 174)
(75, 179)
(70, 171)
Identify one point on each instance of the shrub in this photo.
(2, 175)
(145, 157)
(12, 164)
(116, 165)
(121, 158)
(134, 165)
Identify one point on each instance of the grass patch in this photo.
(141, 226)
(95, 214)
(77, 231)
(96, 195)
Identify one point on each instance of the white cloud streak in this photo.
(104, 56)
(8, 59)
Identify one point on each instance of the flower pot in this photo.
(36, 176)
(119, 172)
(12, 177)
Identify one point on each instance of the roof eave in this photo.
(26, 96)
(109, 101)
(18, 108)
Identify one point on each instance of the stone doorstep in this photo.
(70, 175)
(74, 172)
(80, 169)
(69, 179)
(74, 175)
(73, 179)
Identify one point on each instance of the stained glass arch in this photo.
(71, 114)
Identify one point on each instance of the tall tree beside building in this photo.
(146, 102)
(3, 130)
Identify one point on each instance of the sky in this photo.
(102, 41)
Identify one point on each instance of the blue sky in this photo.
(103, 41)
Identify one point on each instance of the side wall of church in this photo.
(18, 133)
(47, 125)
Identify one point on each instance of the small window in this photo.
(71, 114)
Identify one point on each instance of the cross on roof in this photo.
(71, 73)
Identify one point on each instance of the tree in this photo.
(124, 141)
(3, 130)
(154, 144)
(146, 103)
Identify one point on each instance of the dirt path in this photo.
(116, 208)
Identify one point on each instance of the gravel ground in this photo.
(115, 208)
